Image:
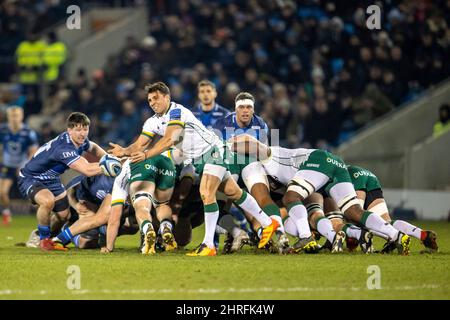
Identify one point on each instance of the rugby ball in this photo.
(110, 165)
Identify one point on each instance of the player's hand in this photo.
(81, 207)
(116, 150)
(137, 156)
(105, 250)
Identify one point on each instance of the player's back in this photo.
(54, 157)
(15, 145)
(95, 189)
(284, 163)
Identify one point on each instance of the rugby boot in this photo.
(227, 244)
(403, 242)
(308, 245)
(48, 245)
(338, 242)
(240, 241)
(202, 251)
(148, 246)
(168, 238)
(365, 241)
(429, 241)
(267, 233)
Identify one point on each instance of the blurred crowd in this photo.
(317, 72)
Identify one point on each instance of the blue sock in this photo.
(102, 230)
(240, 219)
(44, 232)
(216, 240)
(76, 241)
(65, 236)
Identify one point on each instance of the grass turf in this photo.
(27, 273)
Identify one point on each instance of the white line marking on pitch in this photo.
(215, 291)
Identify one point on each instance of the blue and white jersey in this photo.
(53, 158)
(16, 145)
(209, 118)
(93, 189)
(229, 128)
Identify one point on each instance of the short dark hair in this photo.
(204, 83)
(157, 86)
(76, 118)
(244, 95)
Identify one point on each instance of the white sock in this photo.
(325, 228)
(220, 230)
(290, 227)
(376, 223)
(300, 217)
(163, 224)
(249, 204)
(407, 228)
(280, 221)
(211, 217)
(353, 232)
(147, 224)
(381, 235)
(236, 232)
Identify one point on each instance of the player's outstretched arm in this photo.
(89, 169)
(139, 145)
(249, 145)
(113, 227)
(96, 150)
(171, 137)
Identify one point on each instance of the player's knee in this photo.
(354, 213)
(47, 202)
(207, 196)
(290, 197)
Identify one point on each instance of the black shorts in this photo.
(371, 196)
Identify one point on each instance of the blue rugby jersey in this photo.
(93, 189)
(16, 145)
(210, 118)
(229, 128)
(54, 158)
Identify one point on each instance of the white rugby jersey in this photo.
(197, 140)
(121, 185)
(284, 163)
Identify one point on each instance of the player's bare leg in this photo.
(142, 193)
(164, 215)
(246, 202)
(5, 187)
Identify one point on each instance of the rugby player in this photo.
(90, 199)
(19, 144)
(39, 179)
(179, 127)
(148, 182)
(245, 121)
(370, 196)
(208, 111)
(317, 169)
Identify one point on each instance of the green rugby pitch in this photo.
(27, 273)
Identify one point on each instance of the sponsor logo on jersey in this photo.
(164, 172)
(136, 176)
(69, 154)
(357, 174)
(315, 165)
(336, 163)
